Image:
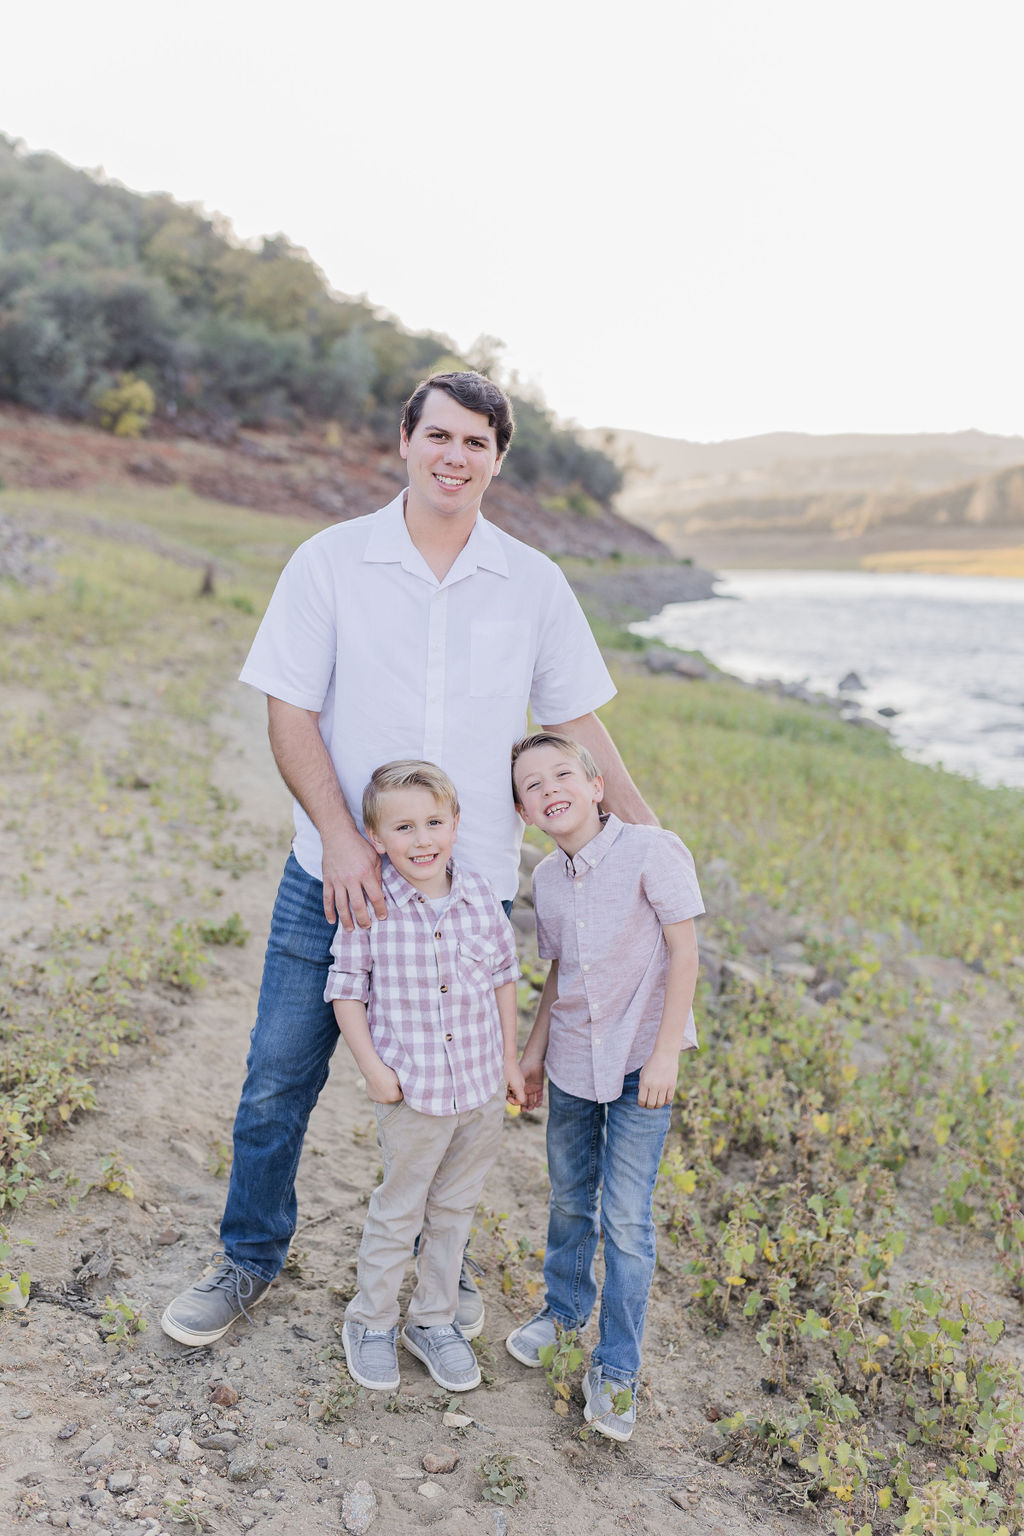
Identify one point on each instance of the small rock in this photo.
(888, 712)
(235, 1363)
(828, 990)
(97, 1454)
(23, 1413)
(500, 1522)
(851, 683)
(172, 1422)
(407, 1473)
(429, 1490)
(354, 1439)
(440, 1461)
(679, 1499)
(68, 1430)
(167, 1237)
(358, 1508)
(122, 1481)
(456, 1421)
(243, 1465)
(677, 662)
(97, 1497)
(188, 1450)
(316, 1411)
(223, 1395)
(219, 1442)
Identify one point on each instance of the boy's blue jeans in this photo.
(290, 1052)
(603, 1158)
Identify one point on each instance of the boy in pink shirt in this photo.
(615, 904)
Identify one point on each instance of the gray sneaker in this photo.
(469, 1312)
(524, 1344)
(446, 1353)
(371, 1356)
(599, 1405)
(205, 1312)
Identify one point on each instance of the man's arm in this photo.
(351, 867)
(620, 793)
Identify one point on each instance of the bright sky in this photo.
(706, 218)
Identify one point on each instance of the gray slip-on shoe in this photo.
(524, 1344)
(599, 1395)
(446, 1353)
(371, 1356)
(204, 1313)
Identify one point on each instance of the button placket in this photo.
(433, 714)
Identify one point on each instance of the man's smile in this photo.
(450, 481)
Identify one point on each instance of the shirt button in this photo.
(580, 925)
(449, 1037)
(444, 986)
(586, 967)
(579, 882)
(437, 935)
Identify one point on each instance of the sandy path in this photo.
(136, 1462)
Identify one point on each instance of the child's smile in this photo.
(417, 832)
(556, 795)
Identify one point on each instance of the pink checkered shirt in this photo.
(428, 985)
(600, 916)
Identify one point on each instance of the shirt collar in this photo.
(593, 852)
(389, 544)
(402, 893)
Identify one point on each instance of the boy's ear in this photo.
(599, 786)
(455, 824)
(375, 841)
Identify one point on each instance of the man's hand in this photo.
(382, 1085)
(515, 1091)
(351, 874)
(533, 1081)
(658, 1078)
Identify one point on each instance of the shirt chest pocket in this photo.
(499, 659)
(477, 960)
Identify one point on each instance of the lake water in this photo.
(946, 652)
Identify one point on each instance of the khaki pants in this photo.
(434, 1170)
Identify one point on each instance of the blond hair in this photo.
(563, 744)
(406, 773)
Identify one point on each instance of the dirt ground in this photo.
(99, 1436)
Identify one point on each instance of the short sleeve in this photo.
(670, 879)
(348, 979)
(293, 655)
(569, 677)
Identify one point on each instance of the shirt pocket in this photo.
(499, 659)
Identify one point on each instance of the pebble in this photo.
(98, 1453)
(429, 1490)
(23, 1413)
(122, 1481)
(440, 1461)
(188, 1450)
(172, 1422)
(243, 1465)
(354, 1439)
(358, 1508)
(223, 1395)
(456, 1421)
(219, 1442)
(68, 1430)
(406, 1472)
(97, 1497)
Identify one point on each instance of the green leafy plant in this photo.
(561, 1360)
(121, 1321)
(501, 1484)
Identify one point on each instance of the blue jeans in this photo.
(290, 1052)
(603, 1157)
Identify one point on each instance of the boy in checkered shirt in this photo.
(426, 1003)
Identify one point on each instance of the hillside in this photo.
(309, 473)
(789, 498)
(98, 283)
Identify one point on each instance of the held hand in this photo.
(533, 1082)
(658, 1077)
(351, 873)
(515, 1091)
(383, 1087)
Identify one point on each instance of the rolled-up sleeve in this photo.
(348, 980)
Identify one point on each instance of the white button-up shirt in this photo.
(399, 664)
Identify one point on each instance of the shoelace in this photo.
(470, 1264)
(234, 1276)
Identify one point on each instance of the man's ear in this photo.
(403, 442)
(499, 461)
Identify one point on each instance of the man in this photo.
(420, 631)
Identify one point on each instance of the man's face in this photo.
(556, 795)
(417, 833)
(452, 457)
